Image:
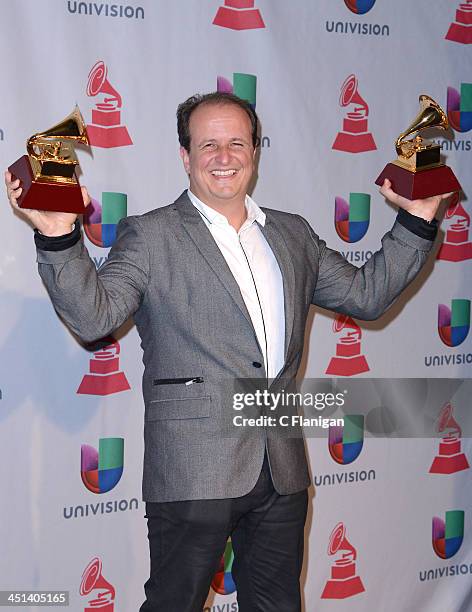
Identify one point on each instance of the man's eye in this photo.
(209, 145)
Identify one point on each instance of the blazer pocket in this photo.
(179, 408)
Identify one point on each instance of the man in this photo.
(220, 290)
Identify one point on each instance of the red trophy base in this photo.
(340, 589)
(460, 33)
(449, 465)
(421, 184)
(455, 252)
(347, 366)
(354, 143)
(234, 19)
(103, 385)
(41, 195)
(109, 137)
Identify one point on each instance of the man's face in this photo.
(220, 163)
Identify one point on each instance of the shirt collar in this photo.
(254, 213)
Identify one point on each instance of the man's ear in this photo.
(185, 159)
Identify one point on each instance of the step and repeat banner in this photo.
(335, 82)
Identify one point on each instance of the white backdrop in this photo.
(157, 53)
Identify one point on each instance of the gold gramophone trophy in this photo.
(418, 171)
(48, 173)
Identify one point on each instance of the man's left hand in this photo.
(426, 209)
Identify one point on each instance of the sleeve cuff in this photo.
(57, 243)
(417, 225)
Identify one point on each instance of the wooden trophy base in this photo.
(420, 184)
(44, 195)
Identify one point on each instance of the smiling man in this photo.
(220, 289)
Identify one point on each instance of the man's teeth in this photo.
(223, 172)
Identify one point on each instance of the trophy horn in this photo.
(49, 142)
(430, 115)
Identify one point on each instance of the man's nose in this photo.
(223, 155)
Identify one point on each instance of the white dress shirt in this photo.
(257, 273)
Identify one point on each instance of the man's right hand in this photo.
(49, 223)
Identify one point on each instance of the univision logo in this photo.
(351, 220)
(345, 442)
(459, 107)
(449, 534)
(101, 471)
(223, 582)
(454, 322)
(100, 222)
(360, 7)
(245, 87)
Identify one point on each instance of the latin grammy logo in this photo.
(355, 137)
(450, 458)
(105, 377)
(456, 245)
(105, 130)
(461, 29)
(239, 15)
(348, 360)
(101, 592)
(343, 582)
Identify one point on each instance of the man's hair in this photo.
(185, 110)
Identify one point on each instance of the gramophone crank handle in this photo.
(48, 223)
(426, 208)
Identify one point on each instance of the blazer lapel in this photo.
(282, 254)
(201, 236)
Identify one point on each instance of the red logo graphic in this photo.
(344, 582)
(355, 137)
(450, 458)
(101, 592)
(456, 245)
(239, 15)
(105, 377)
(106, 129)
(461, 30)
(348, 360)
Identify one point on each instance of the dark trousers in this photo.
(187, 539)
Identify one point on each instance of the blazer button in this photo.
(256, 364)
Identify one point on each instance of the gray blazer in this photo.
(166, 270)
